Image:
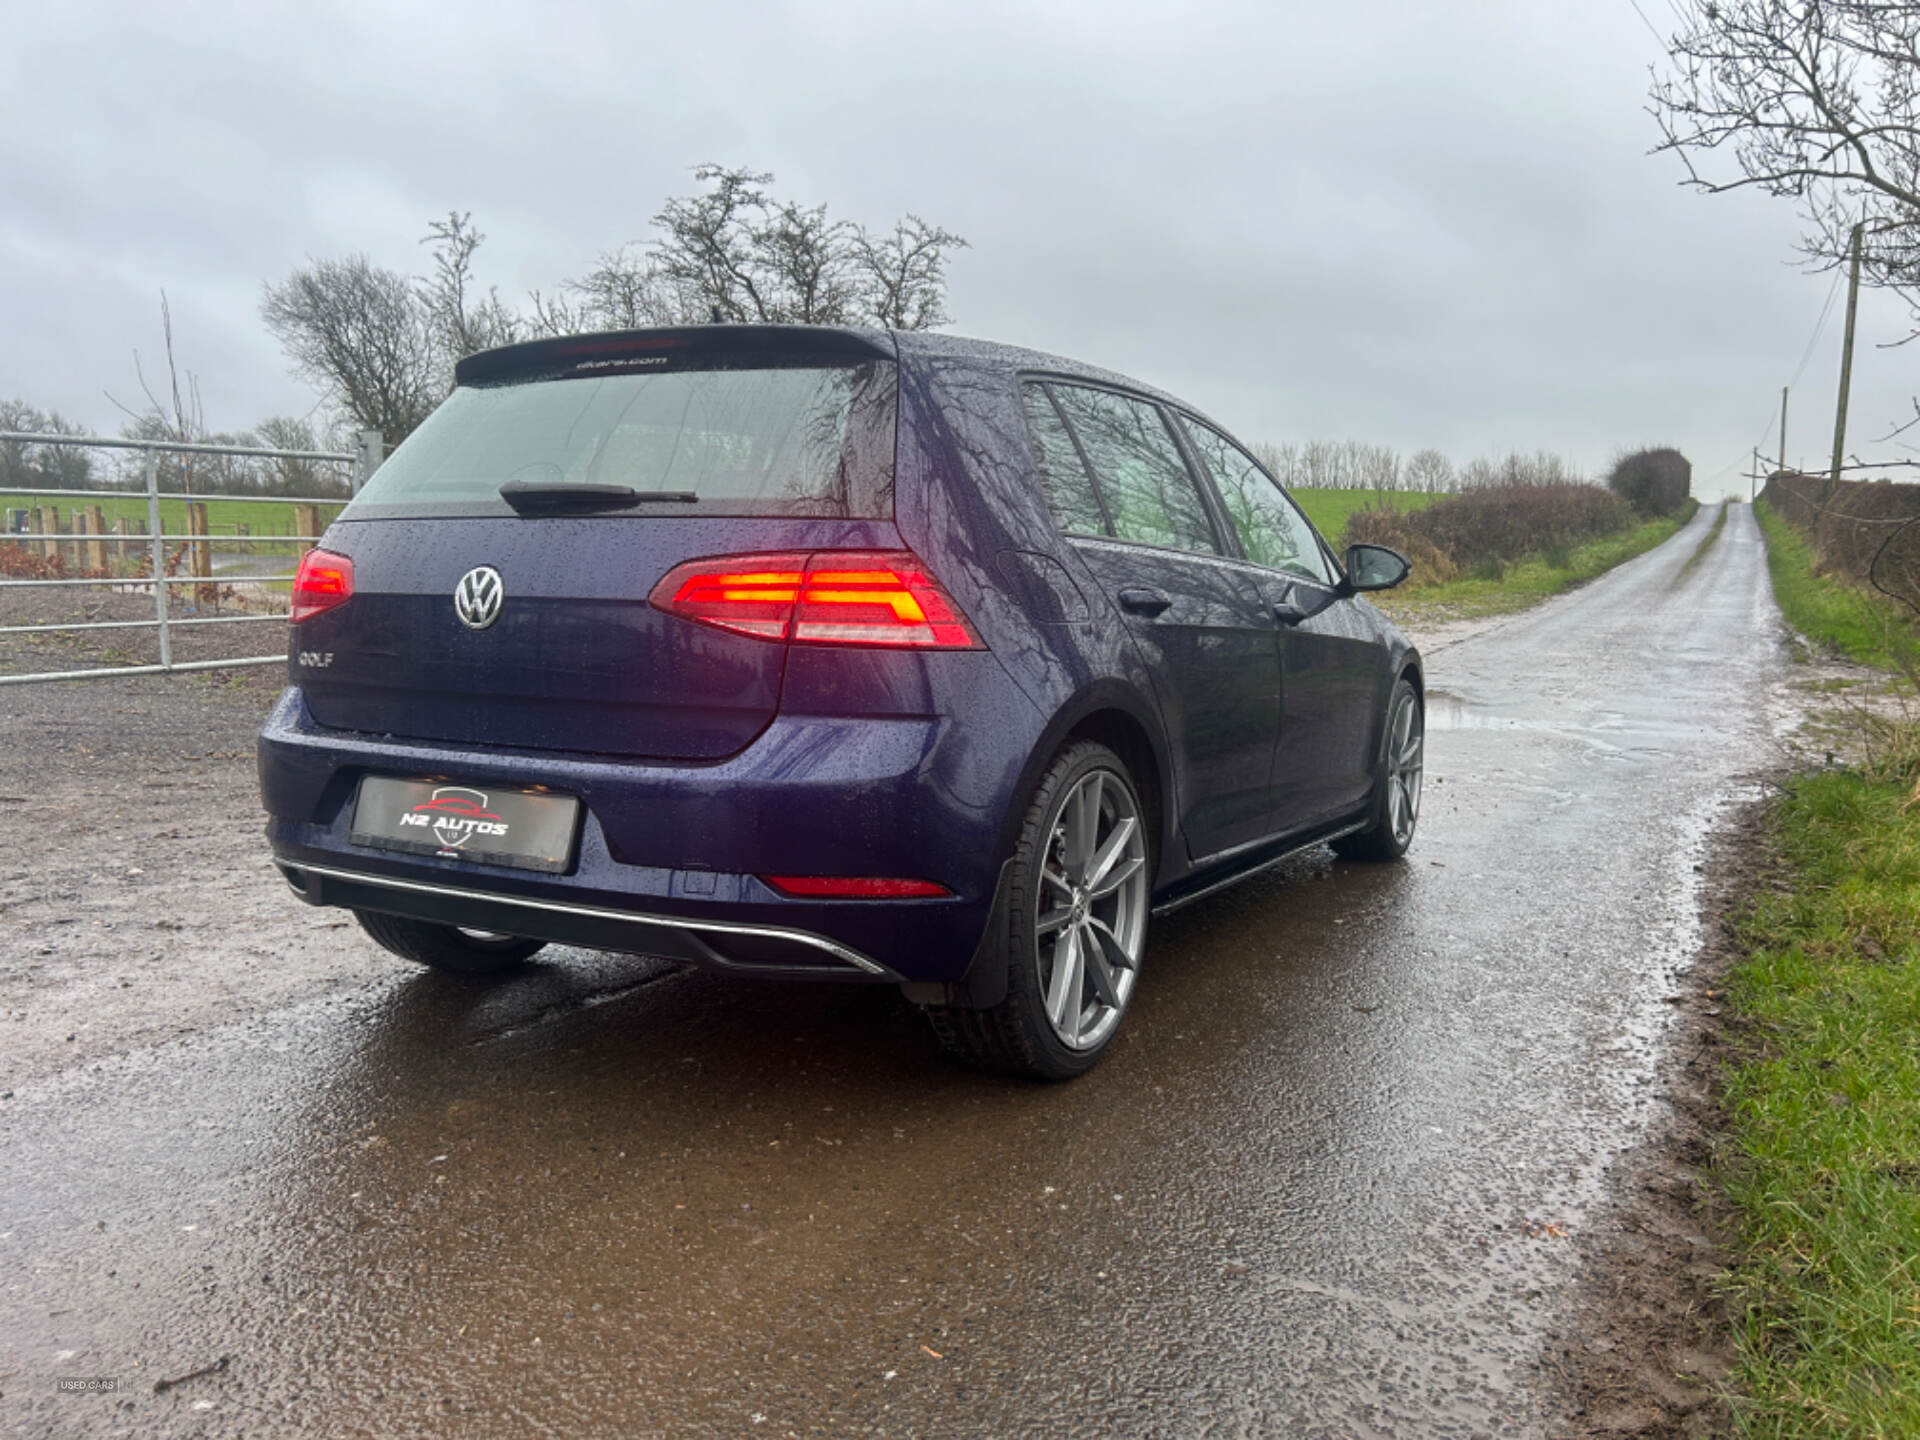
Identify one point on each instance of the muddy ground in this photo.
(1357, 1168)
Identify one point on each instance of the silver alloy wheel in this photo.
(1406, 749)
(1090, 924)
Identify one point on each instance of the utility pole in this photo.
(1783, 427)
(1846, 372)
(1754, 490)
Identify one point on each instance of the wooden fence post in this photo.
(199, 552)
(48, 525)
(306, 521)
(96, 547)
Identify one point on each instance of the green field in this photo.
(1329, 510)
(263, 518)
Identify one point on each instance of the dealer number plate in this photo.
(527, 829)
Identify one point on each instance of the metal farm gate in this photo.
(94, 547)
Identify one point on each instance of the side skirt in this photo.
(1260, 856)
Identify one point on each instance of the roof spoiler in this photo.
(678, 346)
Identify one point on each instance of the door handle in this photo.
(1141, 601)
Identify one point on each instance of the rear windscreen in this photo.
(787, 441)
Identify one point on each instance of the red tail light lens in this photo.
(323, 581)
(854, 887)
(753, 594)
(881, 598)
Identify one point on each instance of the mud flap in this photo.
(984, 984)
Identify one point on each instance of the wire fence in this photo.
(133, 553)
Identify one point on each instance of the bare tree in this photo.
(903, 275)
(461, 319)
(1281, 461)
(624, 291)
(360, 334)
(283, 476)
(381, 346)
(1372, 467)
(734, 252)
(175, 415)
(1479, 474)
(55, 467)
(1430, 471)
(1812, 100)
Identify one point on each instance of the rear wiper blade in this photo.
(533, 497)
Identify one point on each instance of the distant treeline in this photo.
(72, 467)
(1357, 465)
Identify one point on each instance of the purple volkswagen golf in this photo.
(885, 657)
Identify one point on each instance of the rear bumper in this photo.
(669, 855)
(756, 949)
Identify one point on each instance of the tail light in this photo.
(876, 598)
(854, 887)
(323, 581)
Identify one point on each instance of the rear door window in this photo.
(777, 441)
(1063, 475)
(1272, 531)
(1149, 491)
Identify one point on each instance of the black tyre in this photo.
(461, 952)
(1395, 808)
(1075, 927)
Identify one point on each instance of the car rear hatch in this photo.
(731, 440)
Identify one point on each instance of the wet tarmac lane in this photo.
(1331, 1181)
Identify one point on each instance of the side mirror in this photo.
(1375, 567)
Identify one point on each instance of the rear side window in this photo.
(1069, 489)
(1149, 492)
(787, 441)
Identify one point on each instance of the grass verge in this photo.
(1823, 1165)
(1830, 612)
(1531, 581)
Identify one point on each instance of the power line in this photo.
(1648, 23)
(1833, 293)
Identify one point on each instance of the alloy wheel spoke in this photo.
(1117, 877)
(1063, 995)
(1099, 972)
(1059, 882)
(1053, 920)
(1410, 753)
(1111, 949)
(1108, 853)
(1083, 825)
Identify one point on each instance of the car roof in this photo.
(569, 353)
(991, 354)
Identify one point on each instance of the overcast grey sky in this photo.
(1409, 222)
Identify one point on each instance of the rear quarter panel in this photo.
(968, 502)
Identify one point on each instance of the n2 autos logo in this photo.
(455, 815)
